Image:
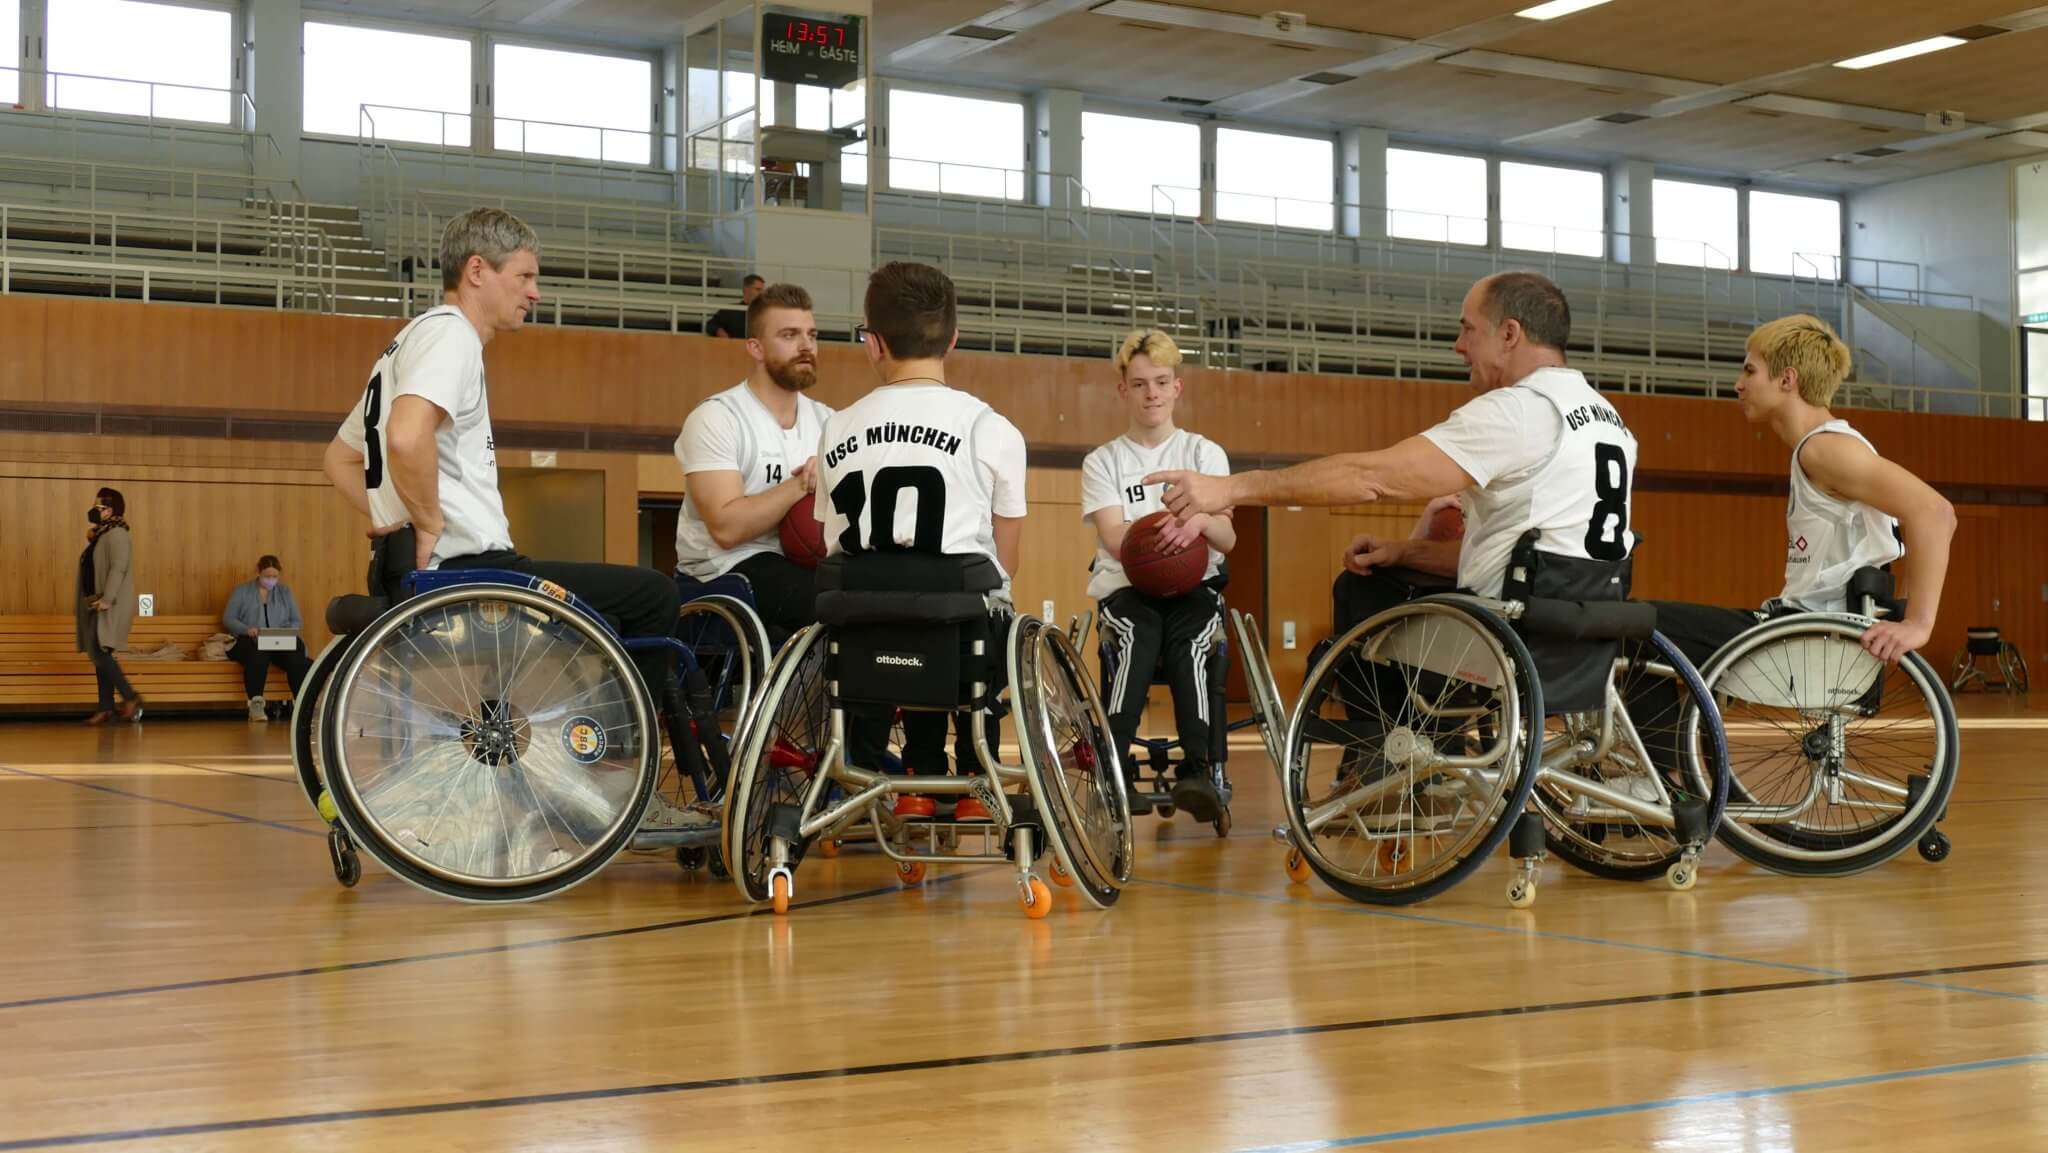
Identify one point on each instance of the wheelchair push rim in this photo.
(1069, 761)
(526, 746)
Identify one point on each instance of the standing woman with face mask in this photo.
(106, 604)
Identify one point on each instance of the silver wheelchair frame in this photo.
(1063, 799)
(1540, 780)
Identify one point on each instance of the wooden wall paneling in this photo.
(24, 335)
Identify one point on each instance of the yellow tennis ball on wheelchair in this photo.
(326, 807)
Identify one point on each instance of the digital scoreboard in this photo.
(808, 50)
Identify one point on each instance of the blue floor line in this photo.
(1392, 1136)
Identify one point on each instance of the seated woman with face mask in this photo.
(259, 606)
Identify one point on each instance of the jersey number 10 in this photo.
(851, 495)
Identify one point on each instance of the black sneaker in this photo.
(1196, 795)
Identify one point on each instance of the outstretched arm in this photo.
(1414, 470)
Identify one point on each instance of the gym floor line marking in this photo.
(453, 954)
(1574, 938)
(164, 801)
(281, 778)
(1012, 1057)
(141, 825)
(1657, 1105)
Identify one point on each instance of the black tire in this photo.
(1530, 709)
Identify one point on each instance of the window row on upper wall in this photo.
(1443, 197)
(175, 61)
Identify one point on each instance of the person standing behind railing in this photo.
(106, 603)
(733, 321)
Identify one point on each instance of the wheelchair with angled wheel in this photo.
(1985, 643)
(916, 633)
(485, 736)
(1430, 733)
(1839, 761)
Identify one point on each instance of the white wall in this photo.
(1957, 226)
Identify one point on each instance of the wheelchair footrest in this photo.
(647, 839)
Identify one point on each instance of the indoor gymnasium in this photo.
(1056, 575)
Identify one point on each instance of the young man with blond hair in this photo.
(1188, 629)
(1849, 508)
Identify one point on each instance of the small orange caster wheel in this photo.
(828, 848)
(778, 892)
(1039, 901)
(1060, 876)
(910, 872)
(1297, 867)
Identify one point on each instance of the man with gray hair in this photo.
(417, 450)
(1539, 451)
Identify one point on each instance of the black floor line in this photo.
(164, 801)
(291, 779)
(674, 1087)
(451, 954)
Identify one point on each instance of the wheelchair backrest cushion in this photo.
(910, 630)
(1573, 672)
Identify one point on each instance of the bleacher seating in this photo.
(41, 669)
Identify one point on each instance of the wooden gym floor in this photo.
(180, 972)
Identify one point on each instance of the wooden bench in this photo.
(42, 671)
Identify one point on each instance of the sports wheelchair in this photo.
(1436, 729)
(1985, 643)
(485, 736)
(917, 633)
(1839, 761)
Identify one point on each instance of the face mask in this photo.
(267, 582)
(92, 515)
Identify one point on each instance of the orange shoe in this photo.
(970, 808)
(911, 805)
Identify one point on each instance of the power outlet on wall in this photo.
(1287, 634)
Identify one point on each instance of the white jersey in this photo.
(1827, 538)
(920, 467)
(734, 432)
(440, 358)
(1111, 476)
(1546, 453)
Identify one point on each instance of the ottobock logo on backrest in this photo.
(896, 660)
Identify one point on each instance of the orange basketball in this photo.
(1447, 524)
(1161, 574)
(803, 538)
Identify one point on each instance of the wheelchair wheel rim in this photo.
(1382, 846)
(490, 743)
(306, 721)
(1799, 721)
(1063, 738)
(792, 710)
